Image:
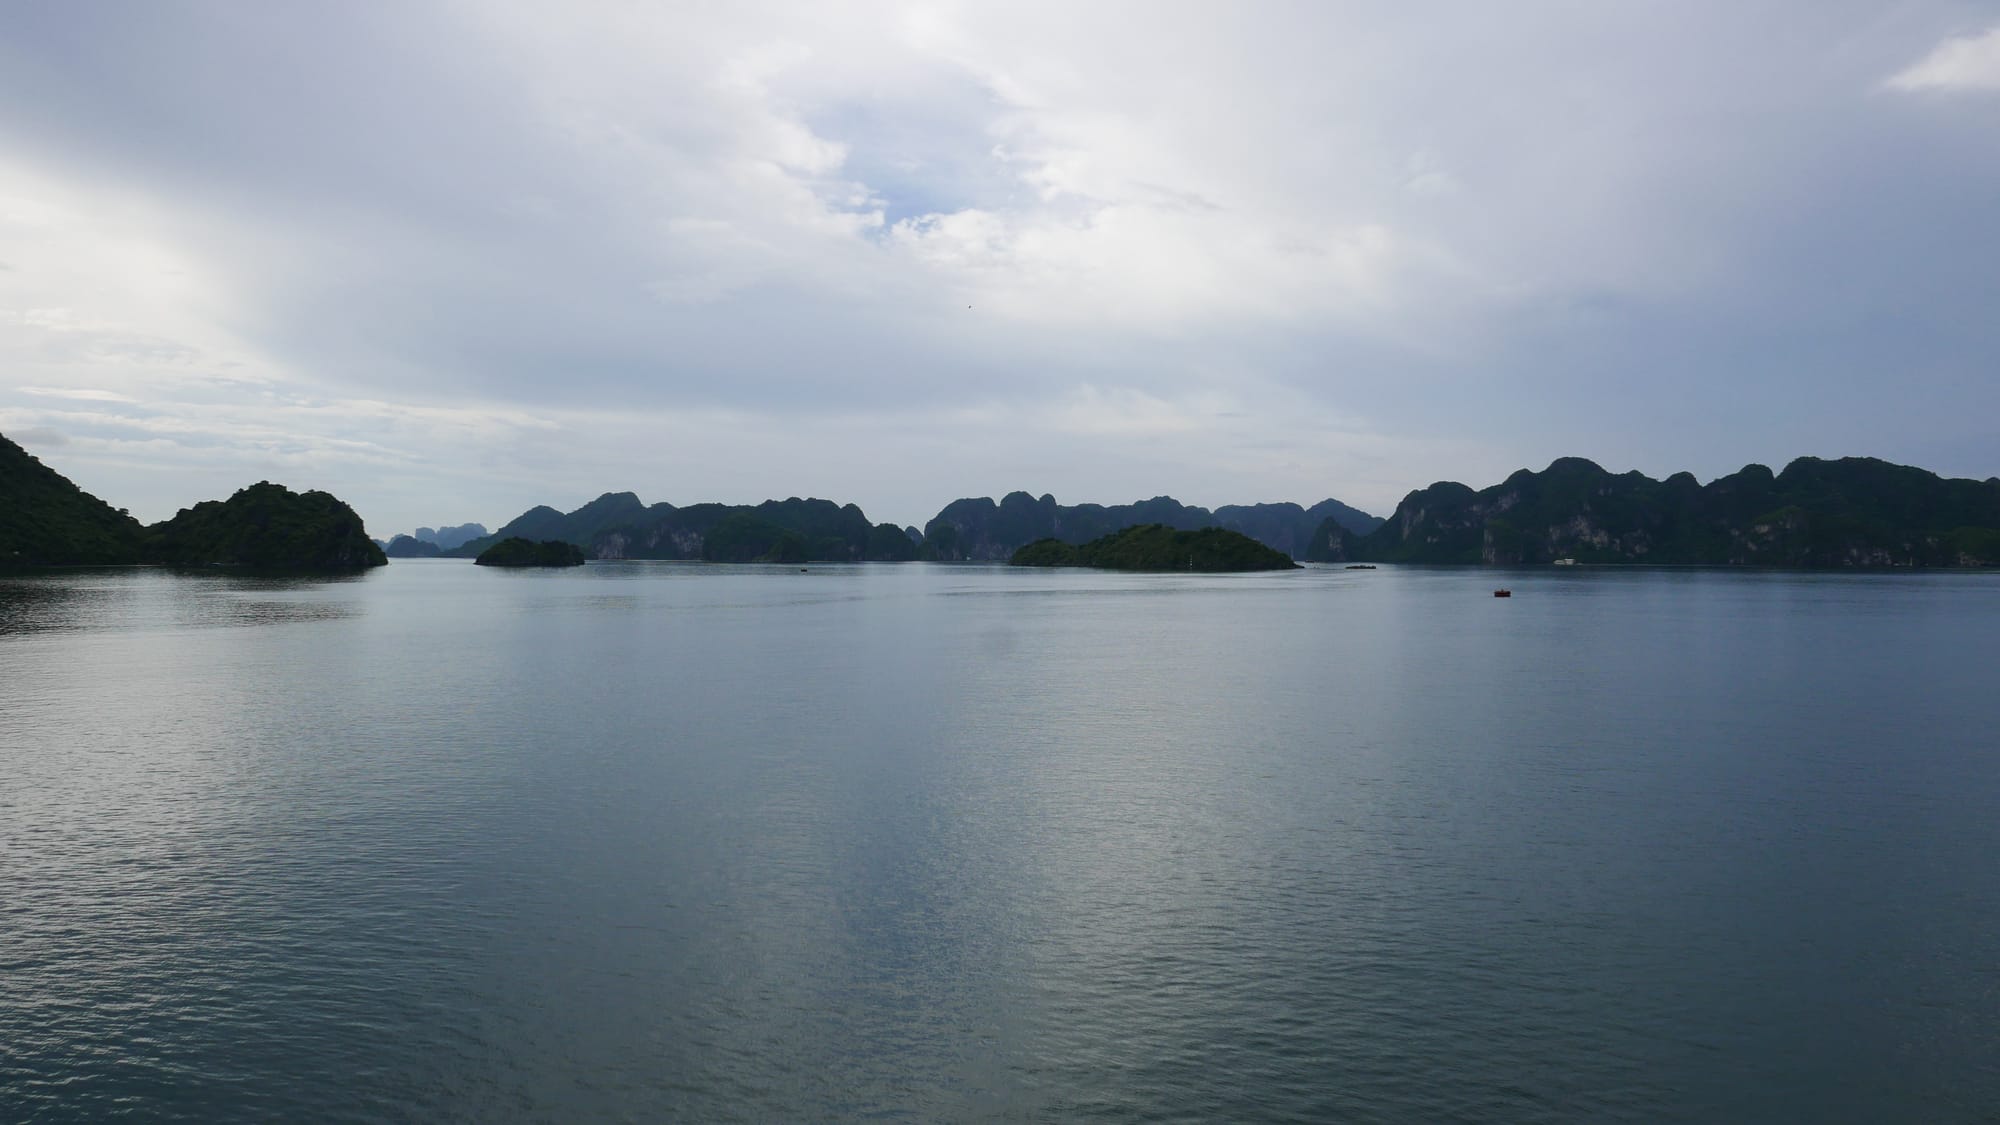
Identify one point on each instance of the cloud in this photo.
(39, 437)
(773, 247)
(1966, 62)
(86, 394)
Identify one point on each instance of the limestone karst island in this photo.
(1853, 512)
(47, 521)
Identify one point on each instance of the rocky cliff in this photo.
(979, 528)
(617, 525)
(1855, 511)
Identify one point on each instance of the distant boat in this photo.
(1503, 593)
(1360, 566)
(1565, 562)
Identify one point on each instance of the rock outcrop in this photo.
(1856, 511)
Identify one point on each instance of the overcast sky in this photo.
(450, 260)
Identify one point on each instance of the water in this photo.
(666, 841)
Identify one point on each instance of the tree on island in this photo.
(45, 520)
(265, 527)
(617, 525)
(526, 552)
(1157, 547)
(1851, 512)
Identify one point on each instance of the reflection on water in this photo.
(649, 841)
(29, 605)
(151, 598)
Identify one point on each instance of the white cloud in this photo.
(1097, 412)
(728, 250)
(39, 438)
(99, 285)
(82, 394)
(1967, 62)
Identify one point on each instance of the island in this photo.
(618, 525)
(265, 527)
(1157, 547)
(1850, 512)
(978, 529)
(517, 551)
(410, 547)
(45, 520)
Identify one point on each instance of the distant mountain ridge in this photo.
(980, 529)
(430, 542)
(448, 537)
(1851, 512)
(407, 547)
(618, 525)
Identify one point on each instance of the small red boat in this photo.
(1503, 593)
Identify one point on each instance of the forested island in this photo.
(617, 525)
(1852, 512)
(1157, 547)
(979, 528)
(526, 552)
(264, 527)
(45, 521)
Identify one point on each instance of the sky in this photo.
(451, 260)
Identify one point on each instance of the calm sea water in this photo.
(666, 841)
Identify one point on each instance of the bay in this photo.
(929, 842)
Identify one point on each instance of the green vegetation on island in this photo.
(1157, 547)
(46, 521)
(527, 552)
(980, 529)
(617, 525)
(741, 537)
(1853, 512)
(265, 527)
